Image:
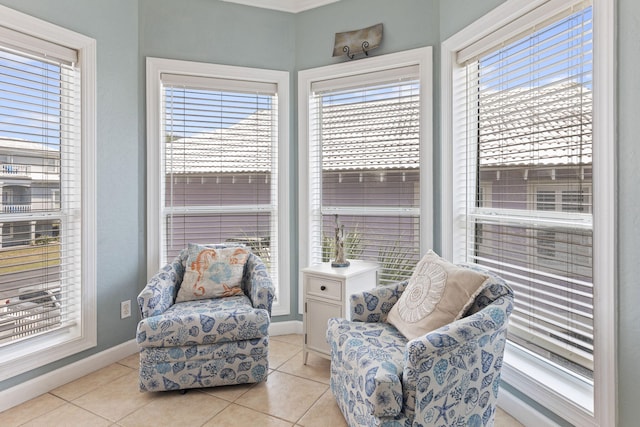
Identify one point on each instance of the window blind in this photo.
(527, 173)
(365, 169)
(40, 148)
(220, 164)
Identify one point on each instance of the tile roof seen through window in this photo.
(519, 127)
(545, 126)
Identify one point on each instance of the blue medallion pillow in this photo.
(212, 272)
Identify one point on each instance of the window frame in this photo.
(423, 58)
(576, 401)
(155, 67)
(41, 350)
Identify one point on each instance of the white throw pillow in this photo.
(437, 294)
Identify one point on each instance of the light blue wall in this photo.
(209, 30)
(217, 32)
(457, 14)
(628, 350)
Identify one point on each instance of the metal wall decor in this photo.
(355, 42)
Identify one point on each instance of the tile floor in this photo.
(294, 395)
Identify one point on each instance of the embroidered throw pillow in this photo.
(437, 294)
(212, 272)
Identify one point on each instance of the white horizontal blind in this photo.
(220, 162)
(528, 174)
(365, 169)
(40, 173)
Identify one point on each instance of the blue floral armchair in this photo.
(207, 342)
(449, 377)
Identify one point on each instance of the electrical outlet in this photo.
(125, 309)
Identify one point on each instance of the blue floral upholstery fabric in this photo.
(195, 366)
(207, 342)
(374, 305)
(370, 354)
(448, 377)
(257, 285)
(160, 292)
(205, 321)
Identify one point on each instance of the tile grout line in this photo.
(67, 401)
(310, 407)
(90, 390)
(228, 402)
(72, 402)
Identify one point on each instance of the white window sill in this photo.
(553, 387)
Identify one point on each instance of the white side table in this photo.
(326, 295)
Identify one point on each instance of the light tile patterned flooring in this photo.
(294, 395)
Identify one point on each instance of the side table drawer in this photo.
(325, 288)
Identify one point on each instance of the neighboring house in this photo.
(533, 217)
(370, 151)
(552, 162)
(30, 182)
(370, 159)
(557, 178)
(221, 171)
(375, 153)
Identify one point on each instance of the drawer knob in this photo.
(323, 288)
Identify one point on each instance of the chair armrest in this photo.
(459, 362)
(375, 304)
(257, 284)
(160, 292)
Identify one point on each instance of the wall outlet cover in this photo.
(125, 309)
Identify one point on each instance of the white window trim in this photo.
(157, 66)
(549, 388)
(42, 350)
(423, 58)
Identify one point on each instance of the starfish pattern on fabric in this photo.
(442, 410)
(199, 378)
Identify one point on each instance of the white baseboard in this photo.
(285, 328)
(44, 383)
(522, 412)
